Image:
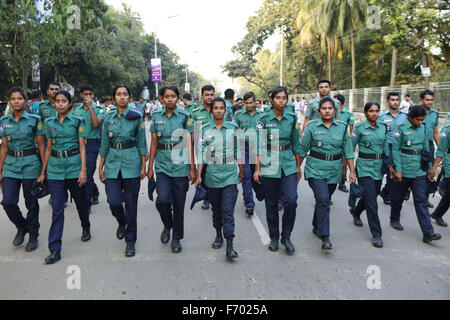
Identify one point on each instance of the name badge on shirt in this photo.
(161, 122)
(243, 121)
(408, 133)
(52, 129)
(319, 133)
(201, 118)
(388, 120)
(112, 122)
(367, 133)
(45, 111)
(271, 125)
(8, 126)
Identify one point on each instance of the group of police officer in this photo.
(263, 150)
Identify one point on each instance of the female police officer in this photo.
(219, 150)
(122, 165)
(174, 165)
(327, 141)
(65, 165)
(370, 137)
(20, 165)
(410, 141)
(279, 166)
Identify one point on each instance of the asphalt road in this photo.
(408, 268)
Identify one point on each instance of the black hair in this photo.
(54, 84)
(323, 81)
(208, 88)
(407, 95)
(369, 104)
(121, 86)
(249, 95)
(171, 88)
(36, 94)
(64, 93)
(17, 89)
(86, 87)
(269, 94)
(229, 94)
(218, 99)
(265, 101)
(426, 92)
(104, 99)
(417, 111)
(340, 98)
(187, 96)
(239, 100)
(392, 94)
(326, 99)
(279, 90)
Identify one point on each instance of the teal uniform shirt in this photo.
(229, 111)
(392, 122)
(347, 117)
(448, 117)
(289, 107)
(45, 111)
(200, 114)
(431, 121)
(120, 130)
(331, 141)
(140, 105)
(312, 111)
(64, 137)
(21, 135)
(247, 124)
(215, 146)
(90, 132)
(191, 107)
(280, 133)
(406, 136)
(442, 150)
(176, 162)
(370, 140)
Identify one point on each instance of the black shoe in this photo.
(206, 205)
(86, 236)
(130, 251)
(356, 220)
(377, 242)
(120, 234)
(32, 243)
(430, 205)
(20, 237)
(343, 187)
(95, 199)
(231, 253)
(408, 195)
(316, 232)
(326, 244)
(280, 206)
(218, 242)
(396, 225)
(54, 257)
(176, 246)
(250, 211)
(387, 201)
(165, 236)
(288, 245)
(273, 245)
(428, 238)
(439, 221)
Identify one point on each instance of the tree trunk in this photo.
(394, 66)
(330, 71)
(425, 64)
(352, 42)
(25, 74)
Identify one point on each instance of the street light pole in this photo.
(156, 56)
(282, 53)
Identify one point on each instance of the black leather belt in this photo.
(65, 153)
(89, 141)
(282, 147)
(22, 153)
(167, 146)
(372, 156)
(123, 146)
(327, 157)
(412, 152)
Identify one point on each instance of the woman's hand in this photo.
(150, 174)
(82, 178)
(299, 174)
(101, 174)
(256, 176)
(391, 172)
(398, 176)
(41, 179)
(193, 175)
(352, 176)
(241, 175)
(199, 180)
(143, 173)
(431, 173)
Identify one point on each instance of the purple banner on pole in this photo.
(156, 70)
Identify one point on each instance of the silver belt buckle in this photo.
(119, 146)
(66, 155)
(18, 153)
(59, 153)
(328, 157)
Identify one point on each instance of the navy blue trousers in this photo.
(322, 193)
(390, 183)
(419, 188)
(444, 204)
(369, 203)
(249, 170)
(11, 190)
(223, 201)
(172, 191)
(285, 189)
(431, 144)
(128, 189)
(58, 191)
(92, 150)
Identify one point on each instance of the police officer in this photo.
(219, 150)
(93, 116)
(65, 165)
(443, 154)
(172, 178)
(431, 124)
(247, 121)
(122, 165)
(20, 164)
(327, 141)
(410, 139)
(324, 89)
(229, 98)
(348, 118)
(47, 108)
(278, 162)
(392, 117)
(189, 106)
(370, 137)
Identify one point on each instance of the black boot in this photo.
(217, 244)
(54, 257)
(231, 253)
(86, 236)
(165, 236)
(32, 243)
(326, 244)
(20, 237)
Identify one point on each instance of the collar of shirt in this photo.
(366, 124)
(273, 116)
(321, 123)
(114, 112)
(176, 112)
(25, 115)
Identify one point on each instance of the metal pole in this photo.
(282, 52)
(156, 56)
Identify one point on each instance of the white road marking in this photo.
(265, 239)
